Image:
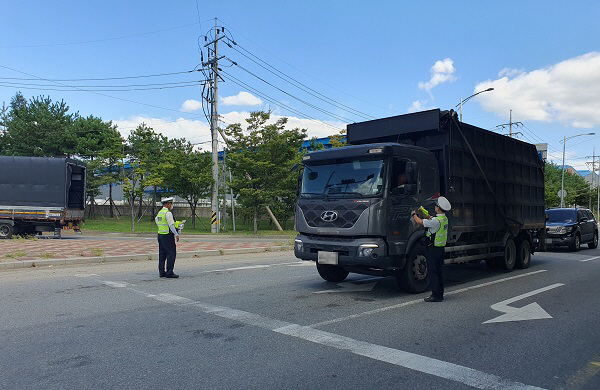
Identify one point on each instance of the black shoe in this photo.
(162, 274)
(172, 275)
(433, 299)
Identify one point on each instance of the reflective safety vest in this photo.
(441, 236)
(161, 221)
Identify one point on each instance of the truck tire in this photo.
(594, 244)
(6, 230)
(576, 243)
(413, 277)
(523, 254)
(509, 259)
(332, 273)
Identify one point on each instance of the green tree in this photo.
(39, 127)
(578, 190)
(187, 173)
(260, 158)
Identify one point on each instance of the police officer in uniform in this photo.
(437, 231)
(167, 235)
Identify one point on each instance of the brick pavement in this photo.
(33, 249)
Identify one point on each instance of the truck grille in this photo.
(347, 214)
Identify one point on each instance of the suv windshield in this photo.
(361, 177)
(562, 215)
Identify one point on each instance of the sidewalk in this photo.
(22, 253)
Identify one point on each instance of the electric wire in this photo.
(103, 78)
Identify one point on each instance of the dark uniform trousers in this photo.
(167, 250)
(435, 260)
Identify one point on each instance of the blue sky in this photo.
(381, 58)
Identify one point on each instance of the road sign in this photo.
(562, 193)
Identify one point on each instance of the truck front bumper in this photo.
(363, 253)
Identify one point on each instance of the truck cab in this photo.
(353, 211)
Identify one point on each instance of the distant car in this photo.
(571, 227)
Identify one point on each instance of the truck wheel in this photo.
(332, 273)
(6, 230)
(510, 255)
(576, 244)
(523, 254)
(594, 244)
(413, 277)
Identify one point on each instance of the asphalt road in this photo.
(268, 321)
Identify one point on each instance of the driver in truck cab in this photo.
(437, 231)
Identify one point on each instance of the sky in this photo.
(321, 64)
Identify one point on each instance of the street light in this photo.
(562, 183)
(462, 101)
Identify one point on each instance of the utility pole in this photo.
(593, 156)
(213, 63)
(510, 125)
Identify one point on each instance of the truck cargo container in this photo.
(40, 194)
(355, 202)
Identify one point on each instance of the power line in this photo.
(98, 40)
(300, 85)
(103, 78)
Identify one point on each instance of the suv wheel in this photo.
(594, 243)
(576, 244)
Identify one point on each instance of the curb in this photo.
(141, 257)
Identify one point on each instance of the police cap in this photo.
(443, 203)
(166, 200)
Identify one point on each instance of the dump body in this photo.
(353, 213)
(40, 194)
(491, 180)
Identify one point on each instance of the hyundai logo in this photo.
(329, 216)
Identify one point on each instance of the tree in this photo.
(260, 159)
(578, 190)
(187, 173)
(146, 151)
(39, 127)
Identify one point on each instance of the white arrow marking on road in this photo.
(533, 311)
(349, 287)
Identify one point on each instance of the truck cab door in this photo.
(401, 200)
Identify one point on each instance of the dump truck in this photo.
(354, 207)
(39, 194)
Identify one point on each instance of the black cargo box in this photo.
(503, 184)
(42, 182)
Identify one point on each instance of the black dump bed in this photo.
(491, 180)
(42, 182)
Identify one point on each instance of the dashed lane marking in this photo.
(411, 361)
(591, 258)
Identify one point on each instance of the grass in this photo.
(16, 254)
(123, 225)
(47, 255)
(97, 252)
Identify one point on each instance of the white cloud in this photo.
(567, 92)
(198, 131)
(191, 105)
(417, 105)
(441, 72)
(241, 99)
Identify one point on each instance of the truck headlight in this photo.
(365, 250)
(298, 244)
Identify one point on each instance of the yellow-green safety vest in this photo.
(441, 236)
(161, 221)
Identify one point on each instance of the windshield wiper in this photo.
(345, 193)
(313, 193)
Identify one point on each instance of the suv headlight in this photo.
(298, 244)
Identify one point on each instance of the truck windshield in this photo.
(346, 178)
(562, 215)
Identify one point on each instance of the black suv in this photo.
(571, 227)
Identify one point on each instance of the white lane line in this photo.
(117, 284)
(258, 266)
(404, 304)
(591, 258)
(411, 361)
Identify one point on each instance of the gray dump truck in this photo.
(354, 206)
(40, 194)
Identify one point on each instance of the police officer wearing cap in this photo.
(437, 231)
(167, 235)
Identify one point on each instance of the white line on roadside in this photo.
(419, 363)
(591, 258)
(382, 309)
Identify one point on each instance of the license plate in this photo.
(328, 258)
